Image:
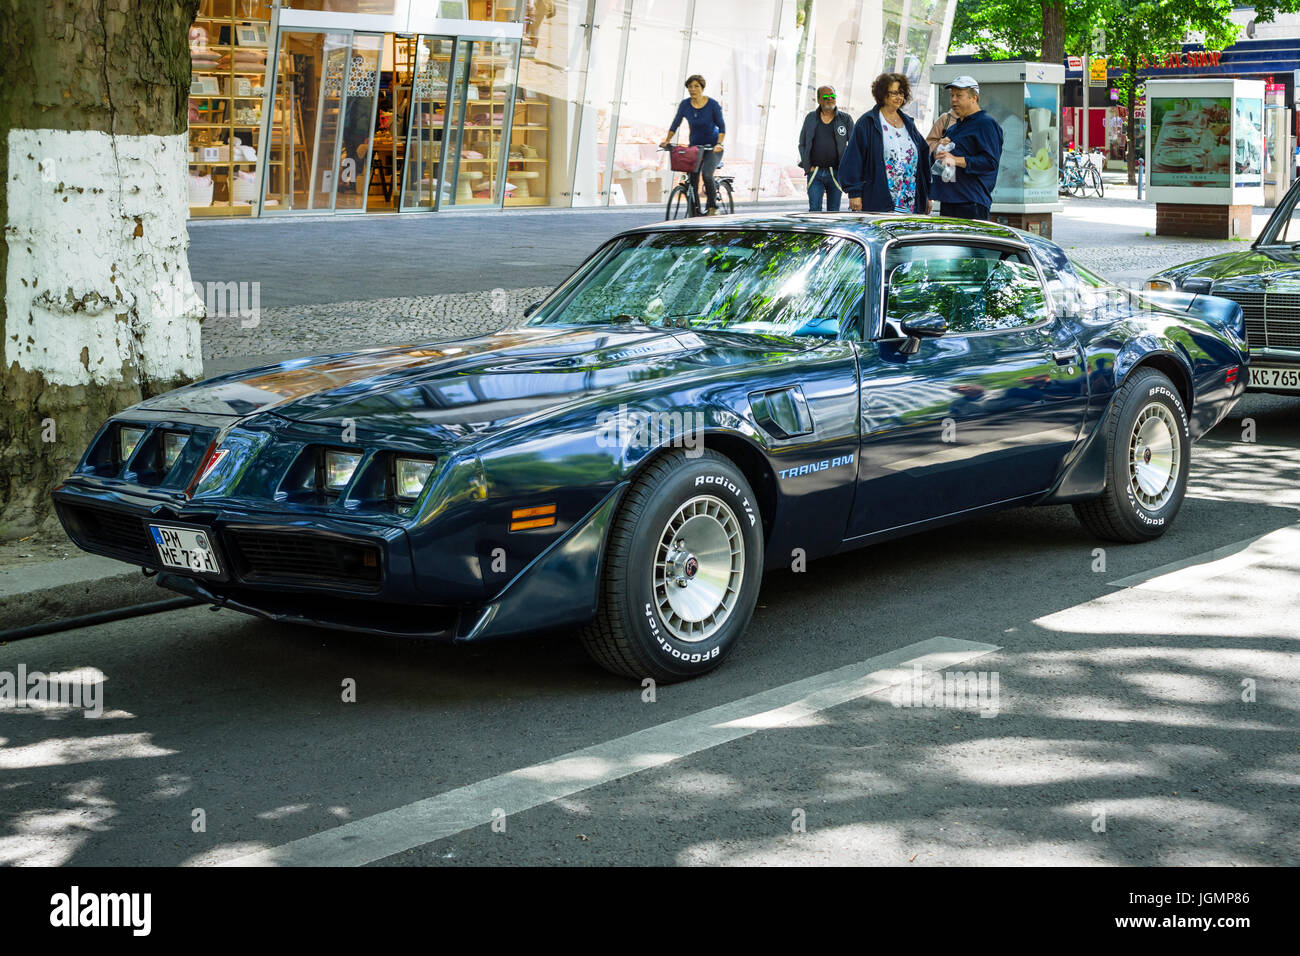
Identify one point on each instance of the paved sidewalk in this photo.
(352, 282)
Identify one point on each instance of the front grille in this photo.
(1272, 321)
(306, 558)
(111, 531)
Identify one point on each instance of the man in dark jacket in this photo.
(972, 146)
(822, 142)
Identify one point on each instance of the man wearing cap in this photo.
(974, 150)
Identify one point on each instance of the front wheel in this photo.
(1094, 182)
(1147, 456)
(679, 203)
(683, 565)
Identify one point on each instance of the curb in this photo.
(41, 593)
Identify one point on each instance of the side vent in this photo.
(782, 412)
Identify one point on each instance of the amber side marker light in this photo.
(522, 519)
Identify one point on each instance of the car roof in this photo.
(872, 227)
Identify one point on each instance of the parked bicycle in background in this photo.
(1079, 178)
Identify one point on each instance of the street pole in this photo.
(1087, 71)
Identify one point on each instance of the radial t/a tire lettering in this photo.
(683, 566)
(1147, 458)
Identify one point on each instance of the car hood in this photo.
(466, 386)
(1277, 268)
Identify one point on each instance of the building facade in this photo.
(407, 106)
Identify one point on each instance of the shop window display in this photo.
(228, 46)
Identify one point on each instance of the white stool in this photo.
(519, 179)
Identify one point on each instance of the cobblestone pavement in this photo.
(337, 326)
(467, 276)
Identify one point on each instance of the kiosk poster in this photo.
(1042, 142)
(1248, 147)
(1190, 143)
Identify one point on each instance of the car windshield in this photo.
(768, 283)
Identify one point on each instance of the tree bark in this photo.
(1053, 50)
(98, 311)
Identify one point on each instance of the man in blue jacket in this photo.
(972, 146)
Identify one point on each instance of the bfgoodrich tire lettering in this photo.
(1147, 456)
(683, 565)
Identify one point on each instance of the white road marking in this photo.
(435, 818)
(1189, 572)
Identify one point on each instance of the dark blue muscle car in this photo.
(701, 401)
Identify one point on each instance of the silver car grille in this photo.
(1272, 321)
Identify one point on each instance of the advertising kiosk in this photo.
(1205, 155)
(1025, 100)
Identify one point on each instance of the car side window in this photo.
(974, 288)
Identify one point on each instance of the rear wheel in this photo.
(679, 203)
(683, 565)
(726, 203)
(1147, 457)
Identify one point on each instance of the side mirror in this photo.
(913, 327)
(532, 308)
(924, 325)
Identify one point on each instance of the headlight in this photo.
(127, 439)
(1158, 285)
(172, 443)
(412, 473)
(339, 466)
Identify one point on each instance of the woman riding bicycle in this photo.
(704, 116)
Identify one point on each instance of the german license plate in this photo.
(187, 549)
(1283, 378)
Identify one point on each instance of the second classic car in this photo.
(699, 402)
(1265, 281)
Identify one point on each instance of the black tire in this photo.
(1146, 414)
(632, 635)
(1076, 185)
(726, 203)
(679, 203)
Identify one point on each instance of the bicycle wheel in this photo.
(1095, 183)
(726, 204)
(679, 203)
(1076, 184)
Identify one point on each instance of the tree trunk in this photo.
(98, 309)
(1053, 32)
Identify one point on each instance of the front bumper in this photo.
(557, 588)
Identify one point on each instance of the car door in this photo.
(981, 414)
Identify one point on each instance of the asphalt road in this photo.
(1120, 704)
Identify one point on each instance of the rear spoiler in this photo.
(1223, 314)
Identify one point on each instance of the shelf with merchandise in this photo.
(228, 54)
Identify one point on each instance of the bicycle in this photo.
(1078, 178)
(684, 200)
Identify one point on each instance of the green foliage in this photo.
(1013, 29)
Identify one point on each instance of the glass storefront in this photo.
(420, 105)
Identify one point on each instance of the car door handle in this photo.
(1064, 356)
